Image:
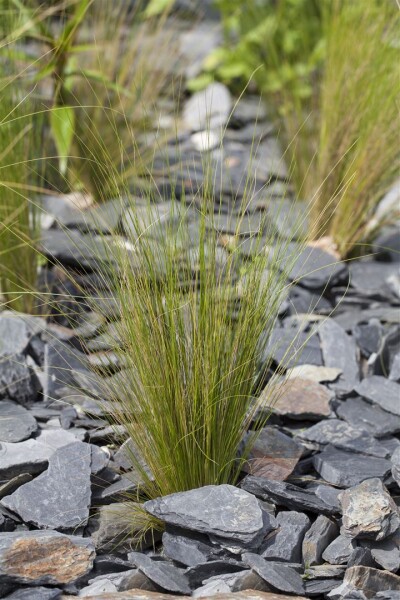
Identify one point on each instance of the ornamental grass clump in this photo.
(194, 319)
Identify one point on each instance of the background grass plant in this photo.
(329, 71)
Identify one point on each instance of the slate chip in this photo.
(285, 542)
(279, 576)
(339, 351)
(16, 423)
(59, 498)
(346, 469)
(369, 417)
(18, 380)
(288, 495)
(382, 392)
(163, 574)
(220, 511)
(321, 533)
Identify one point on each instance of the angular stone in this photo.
(320, 587)
(59, 498)
(314, 373)
(274, 455)
(208, 109)
(339, 351)
(386, 553)
(279, 576)
(371, 418)
(288, 495)
(291, 347)
(325, 571)
(18, 381)
(196, 574)
(369, 511)
(361, 556)
(339, 551)
(226, 586)
(326, 493)
(222, 511)
(316, 269)
(342, 435)
(16, 331)
(370, 580)
(61, 362)
(35, 593)
(163, 574)
(346, 469)
(321, 533)
(44, 557)
(16, 423)
(368, 336)
(188, 550)
(394, 374)
(381, 391)
(396, 466)
(116, 582)
(299, 399)
(23, 457)
(285, 543)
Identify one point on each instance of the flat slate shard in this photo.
(396, 466)
(274, 455)
(279, 576)
(288, 495)
(16, 331)
(44, 557)
(371, 580)
(18, 381)
(342, 435)
(369, 511)
(284, 544)
(381, 391)
(321, 533)
(288, 348)
(188, 550)
(346, 469)
(339, 351)
(163, 574)
(339, 551)
(299, 399)
(218, 510)
(28, 456)
(59, 498)
(16, 423)
(315, 269)
(369, 417)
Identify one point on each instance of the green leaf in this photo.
(156, 7)
(62, 122)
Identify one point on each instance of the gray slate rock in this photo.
(16, 331)
(188, 550)
(394, 374)
(346, 469)
(339, 351)
(222, 511)
(208, 109)
(320, 587)
(288, 495)
(35, 593)
(339, 551)
(369, 417)
(116, 582)
(16, 423)
(315, 269)
(396, 466)
(232, 582)
(386, 553)
(321, 533)
(18, 381)
(370, 581)
(369, 511)
(285, 543)
(196, 574)
(63, 558)
(361, 557)
(381, 391)
(29, 456)
(279, 576)
(59, 498)
(342, 435)
(163, 574)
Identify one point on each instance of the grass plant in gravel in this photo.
(329, 70)
(195, 317)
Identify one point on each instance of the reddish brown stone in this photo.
(44, 557)
(298, 398)
(274, 455)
